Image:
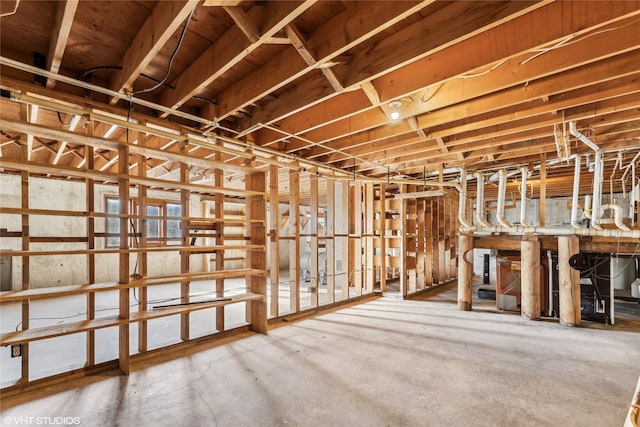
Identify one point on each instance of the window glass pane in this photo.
(173, 225)
(153, 224)
(113, 224)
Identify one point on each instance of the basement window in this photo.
(162, 226)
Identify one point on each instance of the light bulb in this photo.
(395, 115)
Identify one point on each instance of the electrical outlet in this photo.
(16, 350)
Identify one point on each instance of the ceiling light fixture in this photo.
(395, 106)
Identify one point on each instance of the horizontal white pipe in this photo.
(617, 215)
(567, 231)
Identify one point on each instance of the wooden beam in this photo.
(327, 42)
(330, 241)
(185, 265)
(530, 278)
(123, 259)
(65, 12)
(165, 18)
(91, 261)
(243, 22)
(294, 246)
(274, 233)
(256, 211)
(569, 282)
(230, 49)
(543, 190)
(419, 194)
(298, 41)
(465, 272)
(26, 278)
(313, 241)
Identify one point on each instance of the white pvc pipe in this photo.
(575, 132)
(568, 231)
(502, 191)
(617, 215)
(596, 212)
(480, 219)
(523, 197)
(462, 205)
(587, 206)
(576, 193)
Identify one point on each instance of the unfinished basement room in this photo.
(320, 213)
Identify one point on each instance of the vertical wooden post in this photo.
(428, 236)
(24, 185)
(370, 273)
(543, 189)
(383, 239)
(313, 251)
(274, 253)
(342, 240)
(329, 221)
(185, 255)
(442, 277)
(124, 310)
(218, 213)
(465, 272)
(142, 243)
(569, 280)
(257, 259)
(294, 246)
(357, 241)
(420, 255)
(404, 284)
(530, 277)
(91, 244)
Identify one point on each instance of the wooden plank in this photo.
(25, 282)
(330, 218)
(369, 268)
(91, 261)
(256, 208)
(57, 330)
(65, 12)
(465, 272)
(569, 282)
(342, 242)
(543, 190)
(294, 246)
(428, 236)
(358, 239)
(165, 18)
(313, 243)
(108, 176)
(123, 260)
(274, 232)
(142, 243)
(12, 125)
(184, 256)
(419, 194)
(244, 23)
(230, 49)
(383, 240)
(402, 255)
(218, 176)
(420, 252)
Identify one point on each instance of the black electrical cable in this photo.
(173, 55)
(61, 121)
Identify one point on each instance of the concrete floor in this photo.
(387, 362)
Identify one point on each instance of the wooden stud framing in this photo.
(142, 242)
(313, 243)
(274, 233)
(91, 261)
(420, 252)
(356, 240)
(24, 185)
(404, 277)
(543, 190)
(294, 247)
(342, 239)
(330, 240)
(219, 255)
(257, 259)
(428, 231)
(369, 270)
(184, 256)
(383, 238)
(124, 311)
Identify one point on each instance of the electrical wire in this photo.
(173, 55)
